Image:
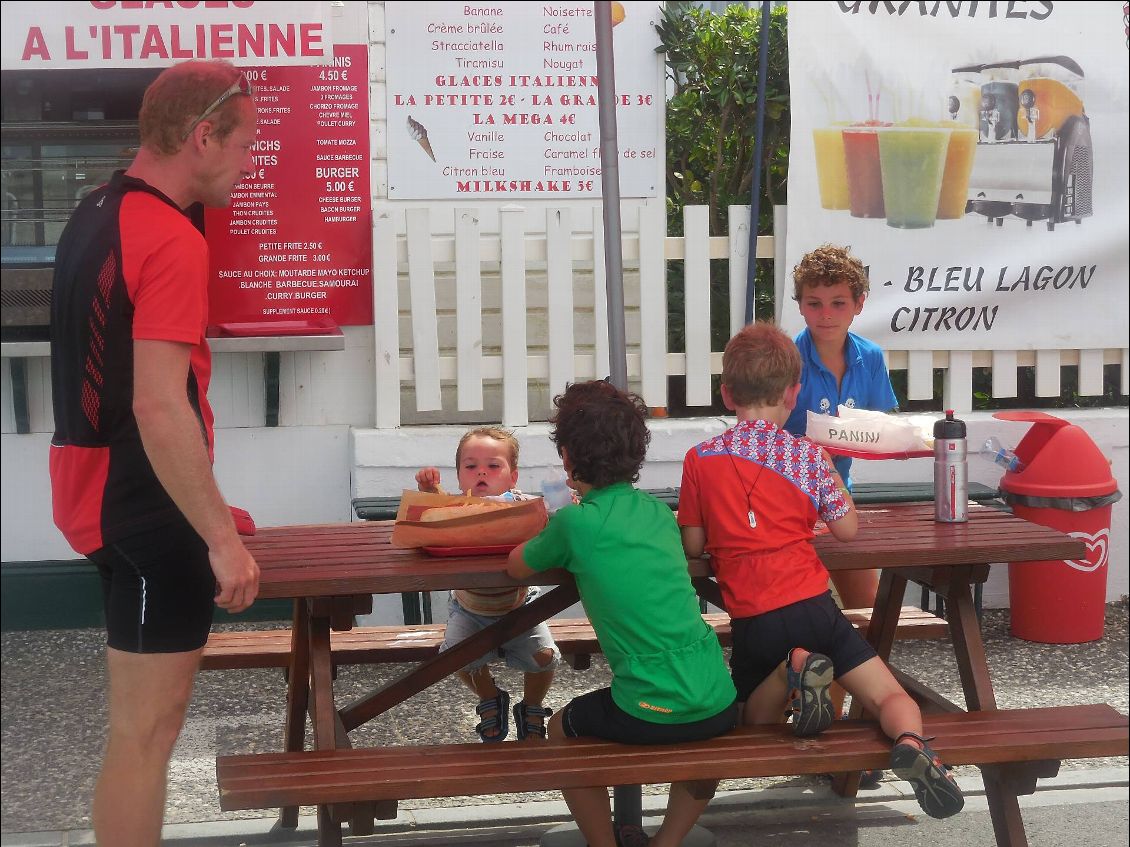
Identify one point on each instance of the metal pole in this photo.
(610, 191)
(755, 192)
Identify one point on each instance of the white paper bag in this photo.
(866, 431)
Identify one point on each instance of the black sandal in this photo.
(500, 705)
(522, 724)
(933, 783)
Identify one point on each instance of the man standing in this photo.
(131, 458)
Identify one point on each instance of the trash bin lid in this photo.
(1060, 460)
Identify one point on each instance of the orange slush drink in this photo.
(1056, 103)
(831, 172)
(912, 160)
(864, 176)
(955, 177)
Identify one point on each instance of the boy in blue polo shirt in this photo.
(669, 678)
(838, 368)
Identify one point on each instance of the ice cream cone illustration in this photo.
(420, 135)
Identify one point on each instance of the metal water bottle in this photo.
(951, 473)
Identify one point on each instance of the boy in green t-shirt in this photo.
(669, 677)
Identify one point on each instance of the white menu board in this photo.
(500, 99)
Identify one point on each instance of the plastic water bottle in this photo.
(996, 452)
(556, 492)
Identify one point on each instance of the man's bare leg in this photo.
(148, 697)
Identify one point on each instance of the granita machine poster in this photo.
(974, 157)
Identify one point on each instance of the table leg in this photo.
(627, 804)
(297, 695)
(965, 629)
(973, 668)
(323, 715)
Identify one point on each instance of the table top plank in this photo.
(357, 558)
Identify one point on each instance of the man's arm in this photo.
(173, 441)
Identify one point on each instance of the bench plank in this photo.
(267, 780)
(391, 644)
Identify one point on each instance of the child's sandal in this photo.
(810, 704)
(934, 786)
(500, 705)
(523, 726)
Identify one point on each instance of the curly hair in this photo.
(498, 433)
(604, 430)
(830, 265)
(182, 92)
(759, 364)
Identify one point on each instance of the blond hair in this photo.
(759, 364)
(498, 433)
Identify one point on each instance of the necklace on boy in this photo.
(749, 490)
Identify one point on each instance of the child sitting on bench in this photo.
(750, 498)
(669, 679)
(486, 463)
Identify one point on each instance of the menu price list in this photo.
(295, 242)
(514, 106)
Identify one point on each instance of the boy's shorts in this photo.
(518, 652)
(761, 642)
(596, 715)
(158, 590)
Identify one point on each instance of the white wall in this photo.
(281, 476)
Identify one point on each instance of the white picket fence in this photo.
(461, 268)
(490, 325)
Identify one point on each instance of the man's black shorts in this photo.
(596, 715)
(762, 642)
(158, 590)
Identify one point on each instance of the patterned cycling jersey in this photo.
(129, 266)
(757, 492)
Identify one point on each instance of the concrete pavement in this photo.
(54, 718)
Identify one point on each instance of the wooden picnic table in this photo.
(331, 571)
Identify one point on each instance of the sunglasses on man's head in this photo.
(240, 86)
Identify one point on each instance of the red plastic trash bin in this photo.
(1065, 483)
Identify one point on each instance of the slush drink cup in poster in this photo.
(977, 164)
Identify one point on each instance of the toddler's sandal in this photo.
(524, 727)
(500, 705)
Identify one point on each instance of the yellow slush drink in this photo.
(955, 178)
(1055, 103)
(912, 161)
(831, 172)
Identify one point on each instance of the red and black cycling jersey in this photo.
(130, 265)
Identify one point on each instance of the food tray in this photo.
(872, 454)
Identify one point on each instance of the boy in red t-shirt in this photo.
(750, 498)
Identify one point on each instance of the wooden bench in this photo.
(391, 644)
(1014, 748)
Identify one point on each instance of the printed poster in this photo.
(296, 242)
(500, 100)
(974, 157)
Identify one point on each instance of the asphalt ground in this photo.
(53, 716)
